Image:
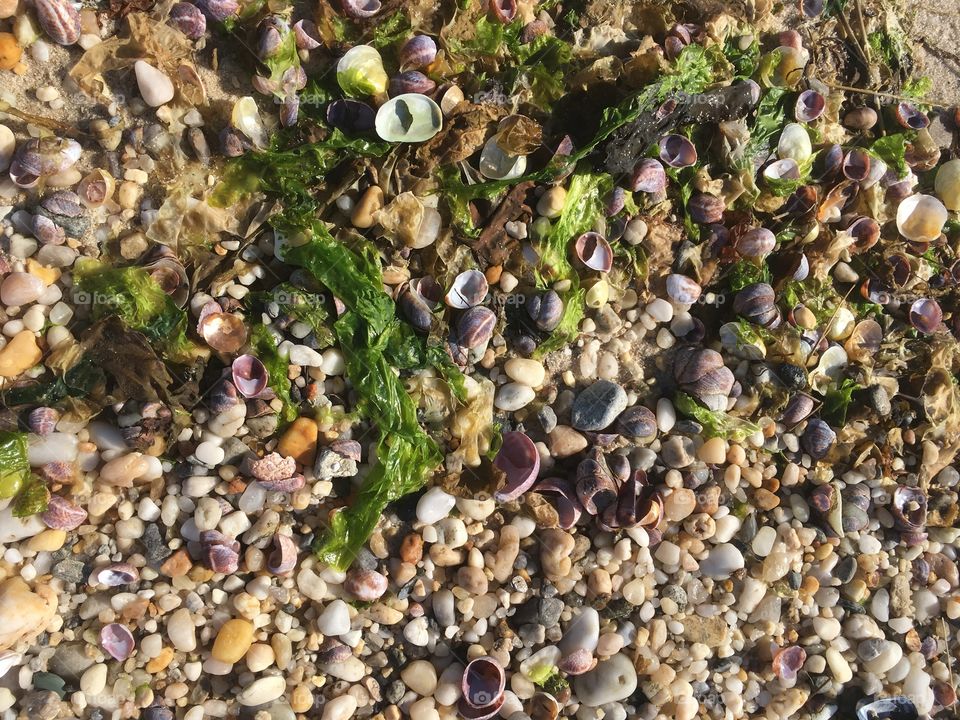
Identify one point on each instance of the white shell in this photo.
(498, 165)
(947, 184)
(468, 289)
(546, 658)
(246, 119)
(830, 368)
(9, 659)
(921, 218)
(794, 143)
(360, 72)
(782, 170)
(408, 118)
(878, 168)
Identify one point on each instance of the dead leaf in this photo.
(519, 135)
(464, 132)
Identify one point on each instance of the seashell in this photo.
(856, 165)
(9, 660)
(504, 11)
(482, 684)
(563, 496)
(187, 18)
(417, 52)
(888, 708)
(637, 421)
(593, 250)
(245, 119)
(922, 153)
(333, 651)
(756, 243)
(921, 218)
(289, 110)
(519, 460)
(222, 558)
(418, 299)
(408, 118)
(614, 201)
(61, 514)
(62, 202)
(360, 71)
(947, 184)
(649, 176)
(117, 640)
(818, 438)
(741, 342)
(47, 231)
(224, 332)
(683, 289)
(360, 8)
(910, 117)
(789, 70)
(864, 341)
(577, 663)
(794, 143)
(411, 81)
(705, 208)
(284, 556)
(677, 151)
(117, 574)
(595, 487)
(365, 585)
(43, 420)
(286, 485)
(450, 98)
(837, 199)
(220, 10)
(828, 163)
(780, 171)
(757, 303)
(702, 373)
(497, 164)
(96, 188)
(351, 116)
(788, 661)
(273, 467)
(926, 315)
(909, 508)
(801, 201)
(638, 504)
(270, 34)
(307, 35)
(469, 289)
(59, 19)
(812, 8)
(798, 409)
(809, 106)
(475, 327)
(37, 158)
(250, 375)
(232, 143)
(546, 310)
(865, 232)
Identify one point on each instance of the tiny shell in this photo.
(59, 19)
(408, 118)
(188, 19)
(117, 640)
(417, 52)
(483, 682)
(61, 514)
(593, 250)
(284, 556)
(648, 176)
(683, 289)
(117, 574)
(361, 8)
(469, 289)
(926, 315)
(677, 151)
(497, 164)
(578, 662)
(96, 188)
(809, 106)
(250, 375)
(411, 81)
(794, 143)
(921, 218)
(475, 327)
(224, 332)
(788, 661)
(519, 460)
(504, 10)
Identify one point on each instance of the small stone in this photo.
(20, 354)
(335, 619)
(513, 396)
(598, 406)
(24, 613)
(610, 681)
(713, 451)
(526, 372)
(262, 691)
(299, 441)
(563, 441)
(233, 641)
(341, 707)
(155, 87)
(421, 677)
(181, 630)
(365, 585)
(434, 505)
(722, 561)
(20, 288)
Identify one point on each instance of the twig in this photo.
(40, 120)
(863, 30)
(880, 93)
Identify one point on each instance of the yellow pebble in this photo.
(160, 662)
(47, 541)
(21, 353)
(301, 699)
(300, 441)
(233, 641)
(49, 275)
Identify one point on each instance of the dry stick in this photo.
(40, 120)
(902, 98)
(863, 29)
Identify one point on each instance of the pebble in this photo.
(722, 561)
(335, 619)
(262, 691)
(563, 441)
(19, 354)
(513, 396)
(612, 680)
(341, 707)
(233, 641)
(299, 441)
(155, 87)
(583, 632)
(421, 677)
(598, 405)
(524, 371)
(434, 505)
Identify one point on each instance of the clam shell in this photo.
(788, 661)
(306, 34)
(593, 250)
(59, 19)
(947, 184)
(649, 176)
(408, 118)
(250, 375)
(117, 574)
(497, 164)
(794, 143)
(224, 332)
(756, 243)
(117, 640)
(921, 218)
(417, 52)
(483, 683)
(809, 106)
(683, 289)
(926, 315)
(469, 289)
(61, 514)
(818, 438)
(361, 8)
(856, 165)
(411, 81)
(677, 151)
(519, 460)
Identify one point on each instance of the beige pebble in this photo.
(363, 212)
(20, 354)
(233, 641)
(259, 657)
(713, 451)
(47, 541)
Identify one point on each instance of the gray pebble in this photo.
(598, 405)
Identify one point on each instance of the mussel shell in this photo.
(504, 10)
(475, 327)
(250, 375)
(756, 243)
(926, 315)
(818, 438)
(408, 118)
(593, 250)
(563, 495)
(546, 310)
(469, 288)
(519, 460)
(677, 151)
(809, 106)
(483, 683)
